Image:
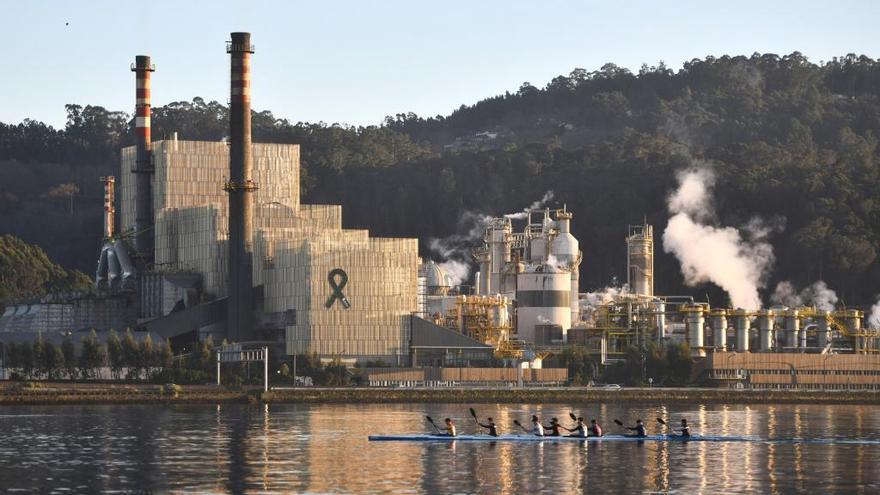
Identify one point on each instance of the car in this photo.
(612, 386)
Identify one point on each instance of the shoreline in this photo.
(49, 393)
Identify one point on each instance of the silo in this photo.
(566, 249)
(695, 319)
(823, 330)
(741, 325)
(542, 298)
(640, 259)
(853, 321)
(718, 319)
(792, 327)
(498, 235)
(765, 322)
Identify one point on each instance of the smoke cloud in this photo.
(454, 250)
(874, 317)
(818, 295)
(548, 196)
(707, 253)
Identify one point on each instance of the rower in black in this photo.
(554, 428)
(685, 430)
(493, 430)
(639, 429)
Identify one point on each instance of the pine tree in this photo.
(69, 351)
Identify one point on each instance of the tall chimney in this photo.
(109, 206)
(240, 188)
(143, 169)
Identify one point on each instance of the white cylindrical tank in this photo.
(564, 246)
(538, 249)
(741, 326)
(640, 259)
(575, 287)
(823, 330)
(853, 319)
(541, 299)
(765, 322)
(695, 320)
(718, 319)
(660, 318)
(792, 327)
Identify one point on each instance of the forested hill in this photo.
(791, 141)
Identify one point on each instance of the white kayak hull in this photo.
(535, 438)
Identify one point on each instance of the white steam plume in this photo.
(454, 250)
(818, 295)
(534, 206)
(457, 271)
(874, 318)
(707, 253)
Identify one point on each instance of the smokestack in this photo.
(109, 206)
(143, 169)
(240, 187)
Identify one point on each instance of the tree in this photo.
(39, 352)
(166, 354)
(53, 360)
(131, 356)
(69, 352)
(115, 354)
(91, 356)
(146, 354)
(66, 192)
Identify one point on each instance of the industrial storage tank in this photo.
(565, 250)
(640, 259)
(542, 298)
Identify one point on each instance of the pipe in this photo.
(719, 329)
(240, 188)
(792, 327)
(143, 168)
(109, 205)
(741, 326)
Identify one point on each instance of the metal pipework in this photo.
(143, 168)
(483, 258)
(719, 329)
(240, 188)
(695, 319)
(109, 205)
(765, 321)
(823, 330)
(660, 321)
(741, 325)
(792, 327)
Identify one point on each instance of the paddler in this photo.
(595, 428)
(537, 429)
(639, 429)
(554, 428)
(685, 430)
(450, 427)
(579, 430)
(493, 430)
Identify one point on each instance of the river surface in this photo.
(324, 448)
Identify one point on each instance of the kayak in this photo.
(617, 438)
(535, 438)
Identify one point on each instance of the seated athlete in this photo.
(685, 430)
(595, 429)
(554, 428)
(639, 429)
(537, 429)
(493, 430)
(450, 427)
(579, 430)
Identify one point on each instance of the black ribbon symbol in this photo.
(337, 288)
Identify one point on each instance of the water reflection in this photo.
(298, 448)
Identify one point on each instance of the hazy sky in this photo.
(355, 62)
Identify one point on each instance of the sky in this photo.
(354, 62)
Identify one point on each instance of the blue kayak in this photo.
(535, 438)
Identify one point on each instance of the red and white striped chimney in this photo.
(109, 206)
(143, 168)
(240, 187)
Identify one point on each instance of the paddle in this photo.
(660, 420)
(432, 423)
(618, 422)
(477, 421)
(517, 423)
(573, 417)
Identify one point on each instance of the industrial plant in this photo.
(211, 239)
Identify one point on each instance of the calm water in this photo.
(324, 448)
